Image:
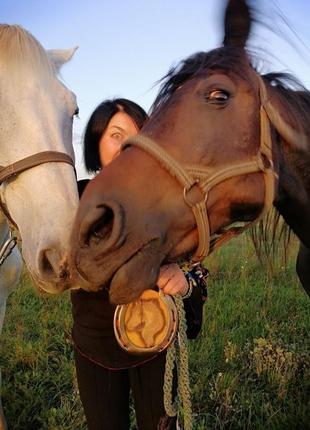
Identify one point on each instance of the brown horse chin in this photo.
(139, 273)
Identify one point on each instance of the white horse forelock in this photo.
(21, 51)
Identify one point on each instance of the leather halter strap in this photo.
(27, 163)
(14, 169)
(205, 179)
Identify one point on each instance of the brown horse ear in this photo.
(237, 24)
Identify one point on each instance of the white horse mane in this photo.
(19, 48)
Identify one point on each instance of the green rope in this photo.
(177, 355)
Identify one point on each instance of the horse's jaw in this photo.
(127, 272)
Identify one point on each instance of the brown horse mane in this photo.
(225, 58)
(272, 232)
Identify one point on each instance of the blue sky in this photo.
(125, 46)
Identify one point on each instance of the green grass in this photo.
(250, 367)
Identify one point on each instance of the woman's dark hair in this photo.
(98, 122)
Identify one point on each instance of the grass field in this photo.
(250, 367)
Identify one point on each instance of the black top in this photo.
(93, 332)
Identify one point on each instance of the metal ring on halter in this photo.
(7, 248)
(147, 325)
(186, 190)
(264, 162)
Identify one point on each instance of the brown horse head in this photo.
(201, 159)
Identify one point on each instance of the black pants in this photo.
(105, 395)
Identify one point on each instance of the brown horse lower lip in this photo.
(136, 274)
(88, 283)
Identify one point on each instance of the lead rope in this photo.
(177, 355)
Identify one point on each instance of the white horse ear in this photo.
(60, 56)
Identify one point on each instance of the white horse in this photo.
(36, 112)
(38, 193)
(10, 269)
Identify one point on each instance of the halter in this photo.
(205, 179)
(14, 169)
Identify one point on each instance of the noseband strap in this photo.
(205, 179)
(14, 169)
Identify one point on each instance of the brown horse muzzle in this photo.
(101, 256)
(98, 230)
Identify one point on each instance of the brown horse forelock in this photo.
(293, 98)
(226, 59)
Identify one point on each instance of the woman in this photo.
(106, 374)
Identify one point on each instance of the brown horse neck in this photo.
(293, 197)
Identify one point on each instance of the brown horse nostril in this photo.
(102, 228)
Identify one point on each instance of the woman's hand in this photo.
(172, 280)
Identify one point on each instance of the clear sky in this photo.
(125, 46)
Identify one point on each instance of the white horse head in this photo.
(36, 112)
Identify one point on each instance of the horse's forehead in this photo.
(185, 95)
(31, 86)
(249, 78)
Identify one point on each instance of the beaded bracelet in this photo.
(191, 284)
(196, 276)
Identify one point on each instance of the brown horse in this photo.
(222, 145)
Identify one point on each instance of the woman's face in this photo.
(120, 127)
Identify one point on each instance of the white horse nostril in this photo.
(53, 267)
(51, 263)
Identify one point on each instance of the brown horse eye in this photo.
(217, 96)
